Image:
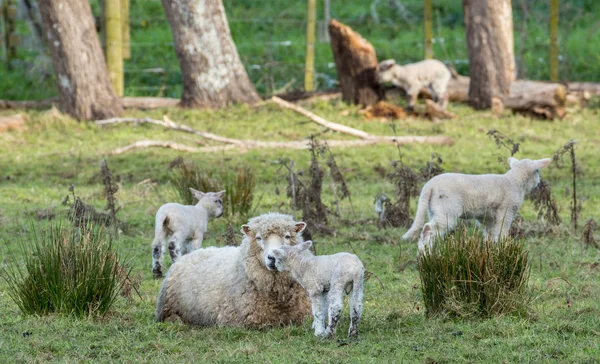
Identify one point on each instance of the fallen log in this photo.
(356, 65)
(12, 122)
(148, 103)
(30, 104)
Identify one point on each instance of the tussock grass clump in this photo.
(466, 275)
(66, 270)
(239, 184)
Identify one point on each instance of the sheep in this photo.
(237, 286)
(186, 226)
(326, 278)
(493, 198)
(412, 77)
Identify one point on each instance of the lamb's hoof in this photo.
(157, 274)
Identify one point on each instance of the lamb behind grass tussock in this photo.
(326, 278)
(186, 226)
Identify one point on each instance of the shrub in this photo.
(239, 185)
(66, 270)
(467, 275)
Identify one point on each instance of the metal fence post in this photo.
(554, 40)
(428, 29)
(309, 63)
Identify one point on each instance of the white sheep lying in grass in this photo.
(413, 77)
(492, 198)
(186, 226)
(237, 286)
(326, 278)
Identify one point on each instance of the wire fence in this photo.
(270, 38)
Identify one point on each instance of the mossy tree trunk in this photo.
(83, 84)
(213, 75)
(491, 50)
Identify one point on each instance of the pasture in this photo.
(40, 162)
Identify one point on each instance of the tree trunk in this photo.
(491, 55)
(212, 73)
(83, 84)
(356, 64)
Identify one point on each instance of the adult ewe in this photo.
(492, 198)
(237, 286)
(413, 77)
(326, 278)
(186, 226)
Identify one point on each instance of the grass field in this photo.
(39, 163)
(270, 37)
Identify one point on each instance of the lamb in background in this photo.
(492, 198)
(186, 226)
(412, 77)
(326, 278)
(237, 286)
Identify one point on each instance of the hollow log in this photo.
(356, 65)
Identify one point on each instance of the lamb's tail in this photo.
(420, 216)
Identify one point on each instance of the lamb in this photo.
(492, 198)
(412, 77)
(186, 226)
(326, 278)
(237, 286)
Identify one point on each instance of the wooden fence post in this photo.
(428, 29)
(309, 63)
(10, 36)
(125, 29)
(114, 54)
(554, 40)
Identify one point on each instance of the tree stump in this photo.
(83, 84)
(356, 64)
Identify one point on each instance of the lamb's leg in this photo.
(502, 222)
(439, 225)
(196, 242)
(335, 299)
(175, 246)
(356, 305)
(438, 92)
(318, 310)
(412, 94)
(158, 245)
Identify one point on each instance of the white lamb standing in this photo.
(237, 286)
(326, 278)
(184, 226)
(430, 73)
(492, 198)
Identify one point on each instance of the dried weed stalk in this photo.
(557, 158)
(503, 141)
(110, 190)
(587, 238)
(545, 204)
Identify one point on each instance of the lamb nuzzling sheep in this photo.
(186, 226)
(237, 286)
(492, 198)
(326, 278)
(412, 77)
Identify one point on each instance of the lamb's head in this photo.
(385, 71)
(528, 170)
(271, 231)
(212, 202)
(285, 252)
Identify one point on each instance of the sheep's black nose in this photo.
(271, 258)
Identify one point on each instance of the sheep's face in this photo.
(283, 253)
(211, 201)
(274, 240)
(530, 169)
(385, 71)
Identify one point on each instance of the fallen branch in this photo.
(154, 144)
(12, 122)
(167, 123)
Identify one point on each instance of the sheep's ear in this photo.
(196, 193)
(541, 163)
(305, 245)
(220, 194)
(245, 229)
(300, 226)
(512, 161)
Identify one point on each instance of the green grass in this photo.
(39, 163)
(269, 36)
